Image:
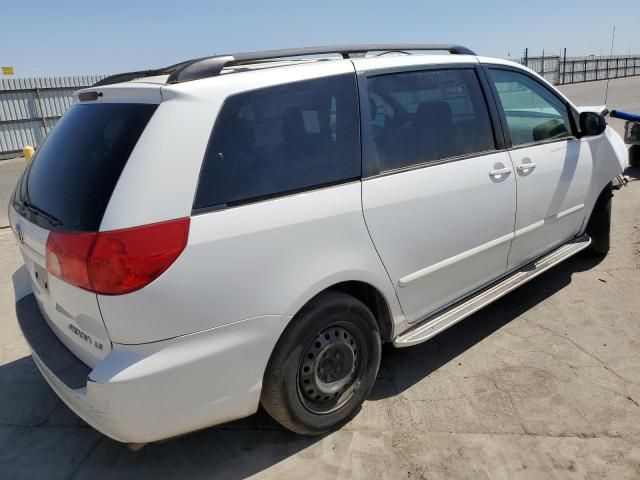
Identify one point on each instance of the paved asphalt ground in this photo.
(543, 384)
(10, 170)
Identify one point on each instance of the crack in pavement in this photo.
(604, 365)
(506, 392)
(574, 371)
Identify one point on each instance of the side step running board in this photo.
(433, 325)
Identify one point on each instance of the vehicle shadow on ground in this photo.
(40, 437)
(401, 368)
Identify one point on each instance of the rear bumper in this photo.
(143, 393)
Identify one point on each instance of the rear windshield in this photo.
(71, 178)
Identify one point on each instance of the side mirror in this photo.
(592, 123)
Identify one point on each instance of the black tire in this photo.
(334, 334)
(599, 226)
(634, 155)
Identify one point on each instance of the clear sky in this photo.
(60, 37)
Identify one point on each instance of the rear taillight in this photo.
(119, 261)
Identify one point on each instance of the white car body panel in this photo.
(551, 195)
(610, 157)
(436, 250)
(266, 258)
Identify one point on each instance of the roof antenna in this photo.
(606, 92)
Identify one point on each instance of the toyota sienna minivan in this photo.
(249, 229)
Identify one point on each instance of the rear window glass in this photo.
(74, 172)
(282, 139)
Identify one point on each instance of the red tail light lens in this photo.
(119, 261)
(67, 255)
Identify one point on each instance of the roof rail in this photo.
(127, 76)
(212, 66)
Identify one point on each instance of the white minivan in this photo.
(249, 229)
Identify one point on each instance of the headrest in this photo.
(433, 113)
(293, 126)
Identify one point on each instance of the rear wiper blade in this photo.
(38, 211)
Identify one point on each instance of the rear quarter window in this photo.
(280, 140)
(75, 171)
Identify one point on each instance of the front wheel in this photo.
(599, 226)
(324, 365)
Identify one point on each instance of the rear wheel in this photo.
(599, 226)
(324, 365)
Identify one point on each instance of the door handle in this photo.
(500, 171)
(523, 167)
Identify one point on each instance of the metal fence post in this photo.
(573, 70)
(42, 115)
(584, 74)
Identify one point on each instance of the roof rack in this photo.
(212, 66)
(125, 77)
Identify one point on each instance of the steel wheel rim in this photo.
(331, 368)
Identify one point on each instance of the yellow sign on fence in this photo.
(7, 71)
